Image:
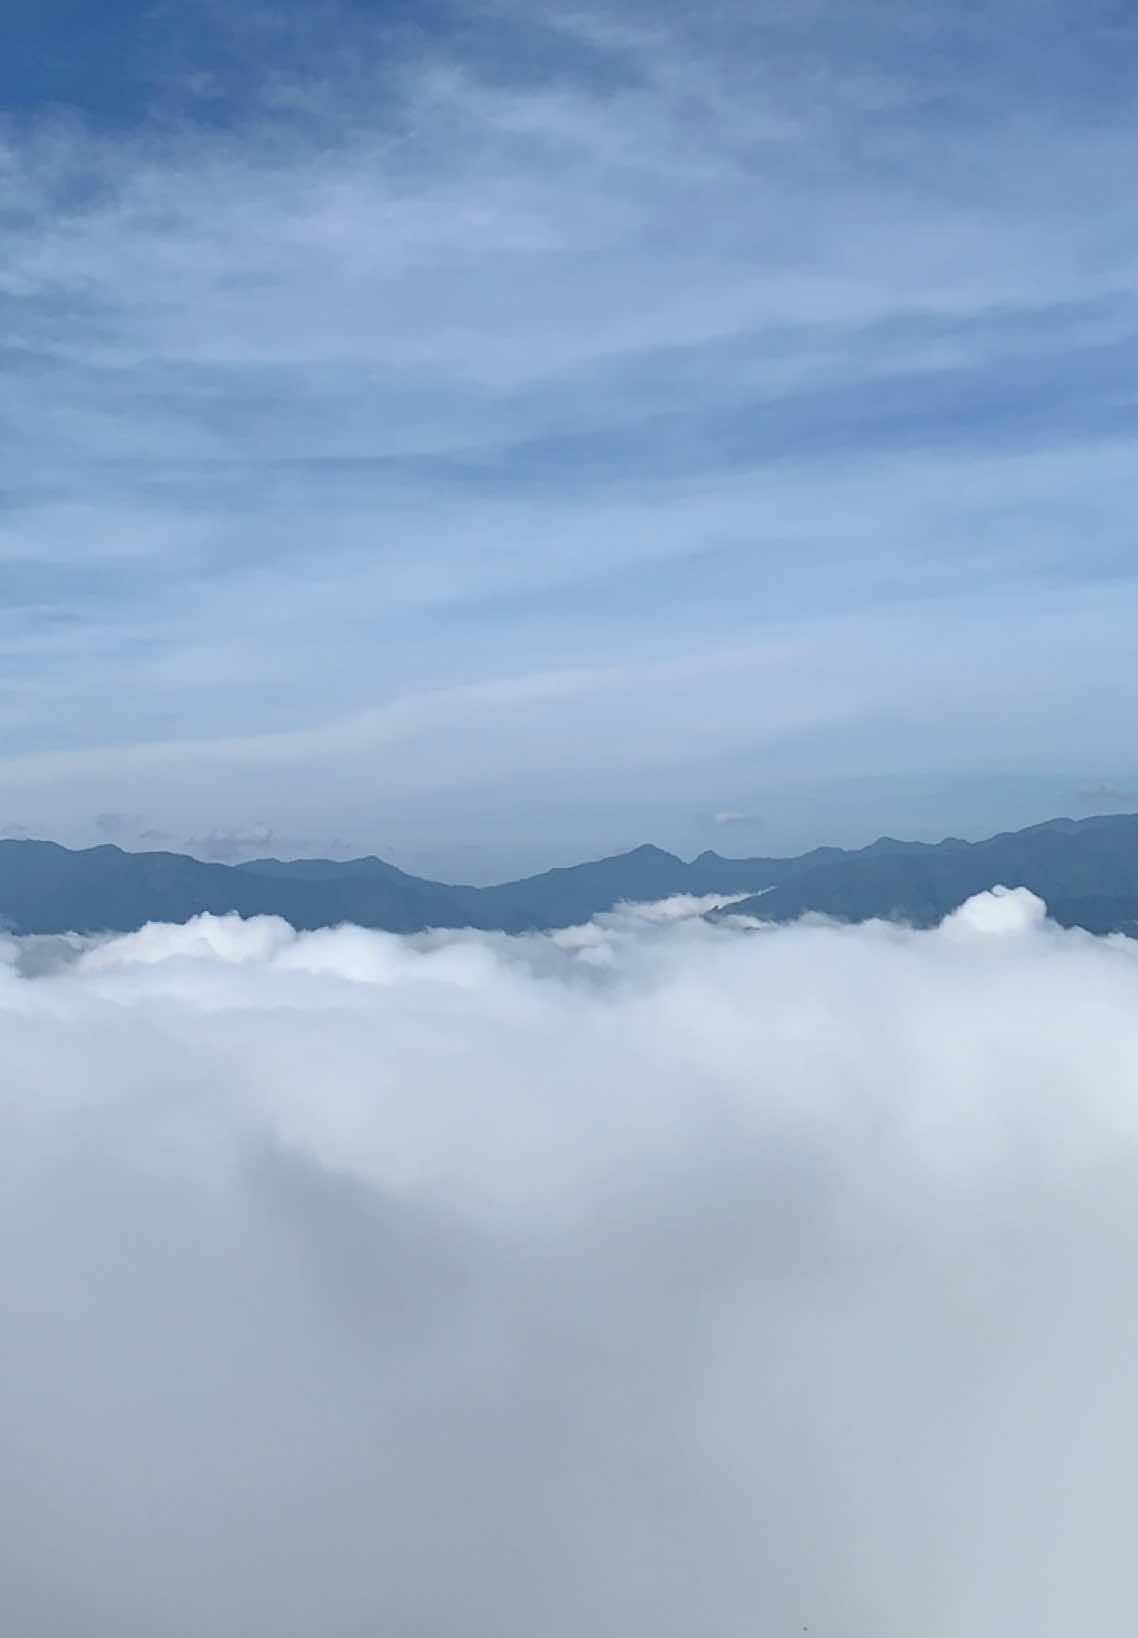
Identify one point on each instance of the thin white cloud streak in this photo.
(663, 708)
(650, 1277)
(222, 652)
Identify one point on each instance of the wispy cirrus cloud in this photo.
(435, 354)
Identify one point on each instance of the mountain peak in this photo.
(648, 850)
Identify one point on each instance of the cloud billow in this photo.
(651, 1277)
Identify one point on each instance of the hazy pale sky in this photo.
(491, 435)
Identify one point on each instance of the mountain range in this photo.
(1086, 870)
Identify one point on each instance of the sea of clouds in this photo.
(651, 1279)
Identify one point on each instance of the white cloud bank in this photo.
(652, 1278)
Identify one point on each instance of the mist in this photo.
(651, 1278)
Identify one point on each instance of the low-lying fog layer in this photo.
(651, 1280)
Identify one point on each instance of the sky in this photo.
(496, 435)
(649, 1278)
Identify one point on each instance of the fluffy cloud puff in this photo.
(650, 1278)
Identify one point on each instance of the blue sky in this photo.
(493, 436)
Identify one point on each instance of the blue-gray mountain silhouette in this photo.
(1086, 871)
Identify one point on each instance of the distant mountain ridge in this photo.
(1086, 870)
